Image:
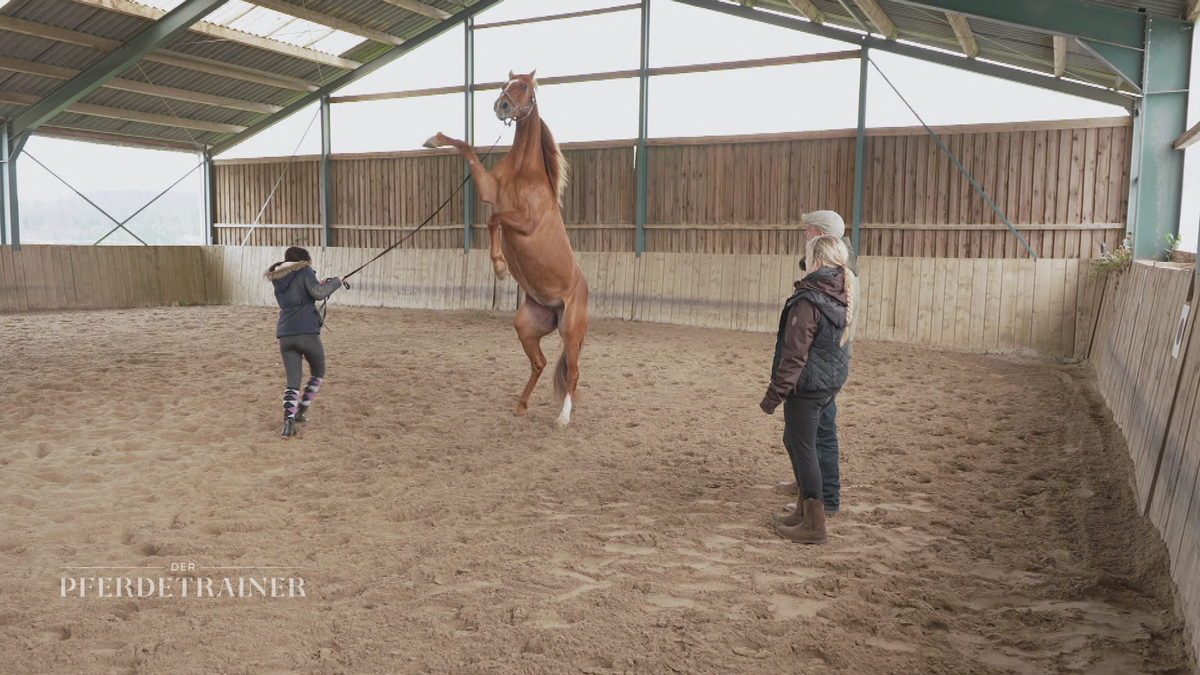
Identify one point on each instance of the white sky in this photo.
(764, 100)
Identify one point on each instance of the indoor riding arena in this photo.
(1019, 435)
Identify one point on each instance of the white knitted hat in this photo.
(828, 222)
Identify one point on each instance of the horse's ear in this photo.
(512, 75)
(533, 75)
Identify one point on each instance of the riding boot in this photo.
(811, 529)
(790, 518)
(310, 394)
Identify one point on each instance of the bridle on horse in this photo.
(517, 109)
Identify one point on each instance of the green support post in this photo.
(210, 201)
(860, 151)
(643, 124)
(4, 198)
(469, 132)
(1160, 117)
(10, 229)
(326, 174)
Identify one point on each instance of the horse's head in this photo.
(517, 97)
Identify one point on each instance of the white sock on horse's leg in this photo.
(565, 418)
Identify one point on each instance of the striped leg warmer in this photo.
(310, 391)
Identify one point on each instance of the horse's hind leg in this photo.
(534, 321)
(573, 329)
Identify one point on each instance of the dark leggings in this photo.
(801, 417)
(295, 349)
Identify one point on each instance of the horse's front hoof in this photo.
(522, 410)
(501, 269)
(432, 143)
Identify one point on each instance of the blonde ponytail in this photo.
(851, 287)
(830, 251)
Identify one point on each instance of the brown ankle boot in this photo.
(811, 529)
(790, 518)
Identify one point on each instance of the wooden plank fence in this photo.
(977, 305)
(1153, 392)
(43, 278)
(1064, 185)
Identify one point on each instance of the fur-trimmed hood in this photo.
(285, 269)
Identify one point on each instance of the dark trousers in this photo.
(296, 349)
(801, 418)
(827, 456)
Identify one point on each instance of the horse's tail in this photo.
(560, 378)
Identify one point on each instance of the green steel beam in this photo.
(1124, 62)
(326, 179)
(10, 230)
(860, 151)
(925, 54)
(469, 131)
(1156, 173)
(1072, 18)
(113, 63)
(209, 197)
(643, 166)
(357, 74)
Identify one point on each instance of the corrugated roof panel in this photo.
(999, 42)
(74, 16)
(41, 50)
(917, 23)
(250, 57)
(191, 80)
(152, 104)
(87, 122)
(30, 84)
(372, 14)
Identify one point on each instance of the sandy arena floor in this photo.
(987, 524)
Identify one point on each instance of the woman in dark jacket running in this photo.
(811, 365)
(299, 330)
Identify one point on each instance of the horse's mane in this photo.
(556, 164)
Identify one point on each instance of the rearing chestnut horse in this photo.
(529, 238)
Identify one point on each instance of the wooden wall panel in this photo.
(1154, 397)
(976, 305)
(1064, 185)
(45, 278)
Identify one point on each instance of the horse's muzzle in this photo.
(503, 109)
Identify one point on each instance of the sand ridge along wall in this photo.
(1147, 362)
(984, 305)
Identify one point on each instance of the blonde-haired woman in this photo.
(811, 365)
